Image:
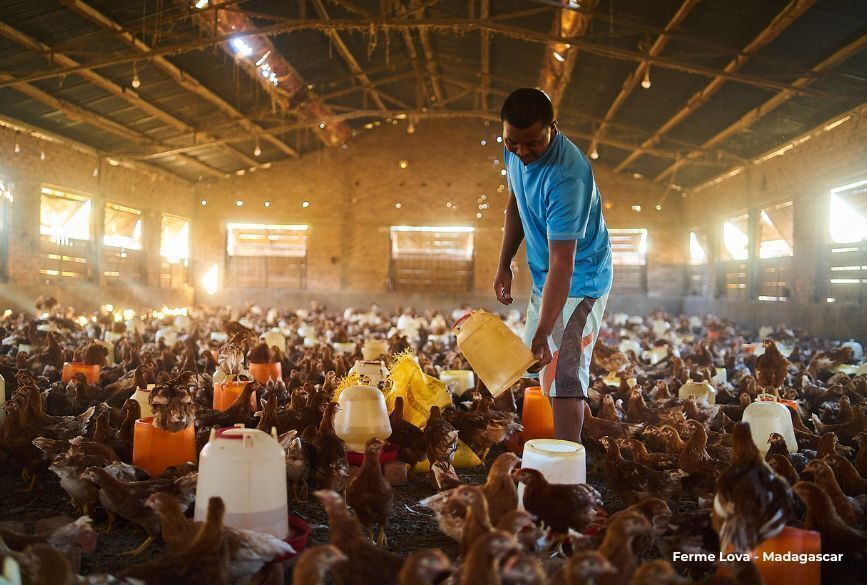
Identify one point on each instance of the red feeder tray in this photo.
(90, 372)
(389, 453)
(299, 534)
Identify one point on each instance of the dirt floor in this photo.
(410, 527)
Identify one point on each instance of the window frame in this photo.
(427, 270)
(175, 274)
(272, 265)
(82, 251)
(637, 271)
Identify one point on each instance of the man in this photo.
(554, 205)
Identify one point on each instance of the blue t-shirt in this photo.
(558, 200)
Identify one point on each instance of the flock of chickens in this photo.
(678, 475)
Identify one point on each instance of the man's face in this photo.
(528, 144)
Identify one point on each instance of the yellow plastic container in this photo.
(702, 391)
(497, 355)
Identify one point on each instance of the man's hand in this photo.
(540, 349)
(503, 285)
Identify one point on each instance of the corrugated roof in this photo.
(713, 33)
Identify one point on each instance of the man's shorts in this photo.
(571, 343)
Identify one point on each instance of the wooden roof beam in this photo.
(760, 111)
(633, 80)
(559, 59)
(417, 11)
(128, 95)
(181, 77)
(791, 12)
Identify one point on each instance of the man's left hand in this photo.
(540, 349)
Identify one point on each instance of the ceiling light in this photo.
(503, 172)
(322, 125)
(41, 155)
(499, 138)
(369, 126)
(95, 171)
(479, 215)
(240, 171)
(258, 150)
(204, 202)
(484, 142)
(658, 207)
(559, 57)
(636, 208)
(136, 82)
(449, 204)
(397, 205)
(267, 204)
(201, 4)
(17, 146)
(239, 203)
(411, 128)
(305, 204)
(645, 83)
(403, 164)
(594, 154)
(241, 47)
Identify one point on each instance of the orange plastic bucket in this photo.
(154, 450)
(226, 393)
(536, 415)
(264, 372)
(793, 541)
(90, 372)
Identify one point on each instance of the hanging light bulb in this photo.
(257, 151)
(594, 154)
(95, 171)
(658, 207)
(17, 146)
(136, 82)
(267, 204)
(410, 129)
(645, 83)
(41, 155)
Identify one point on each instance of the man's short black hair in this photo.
(526, 106)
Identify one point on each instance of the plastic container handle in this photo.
(462, 319)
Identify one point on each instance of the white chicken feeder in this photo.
(701, 391)
(458, 381)
(274, 338)
(168, 334)
(247, 468)
(362, 416)
(561, 462)
(767, 416)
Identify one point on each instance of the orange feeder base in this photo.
(536, 415)
(226, 393)
(264, 372)
(791, 572)
(154, 450)
(90, 372)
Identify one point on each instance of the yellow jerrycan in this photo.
(497, 355)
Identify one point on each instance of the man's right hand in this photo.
(503, 285)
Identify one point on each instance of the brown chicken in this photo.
(850, 510)
(425, 567)
(825, 362)
(483, 426)
(860, 462)
(632, 481)
(752, 503)
(261, 354)
(477, 521)
(784, 468)
(640, 454)
(409, 438)
(205, 560)
(441, 438)
(366, 563)
(249, 551)
(560, 507)
(617, 546)
(694, 460)
(848, 477)
(172, 403)
(657, 572)
(483, 560)
(771, 367)
(499, 488)
(332, 467)
(608, 359)
(314, 563)
(595, 428)
(127, 499)
(368, 494)
(16, 438)
(587, 568)
(837, 536)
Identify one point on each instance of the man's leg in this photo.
(572, 377)
(568, 418)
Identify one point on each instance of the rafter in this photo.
(430, 60)
(559, 59)
(128, 95)
(350, 60)
(792, 11)
(759, 111)
(182, 78)
(632, 81)
(454, 25)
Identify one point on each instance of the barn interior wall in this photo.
(84, 173)
(352, 194)
(805, 175)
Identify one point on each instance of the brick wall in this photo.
(804, 174)
(83, 172)
(353, 192)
